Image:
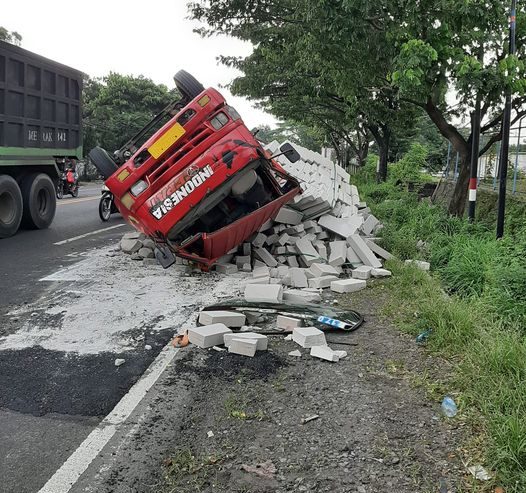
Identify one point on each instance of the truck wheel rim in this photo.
(7, 208)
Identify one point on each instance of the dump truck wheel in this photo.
(103, 162)
(187, 84)
(10, 206)
(40, 202)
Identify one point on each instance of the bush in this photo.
(409, 168)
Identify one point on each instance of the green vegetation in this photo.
(474, 300)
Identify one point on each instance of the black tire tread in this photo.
(29, 218)
(103, 162)
(187, 84)
(7, 183)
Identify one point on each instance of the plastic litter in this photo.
(479, 473)
(424, 336)
(449, 407)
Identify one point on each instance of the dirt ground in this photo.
(226, 423)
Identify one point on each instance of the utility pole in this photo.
(474, 162)
(506, 133)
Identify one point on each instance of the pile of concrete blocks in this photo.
(139, 247)
(314, 339)
(324, 238)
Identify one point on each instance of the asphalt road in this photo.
(51, 400)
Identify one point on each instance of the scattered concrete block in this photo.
(281, 250)
(321, 282)
(245, 347)
(288, 216)
(242, 260)
(226, 268)
(246, 268)
(265, 293)
(380, 273)
(266, 257)
(130, 245)
(301, 297)
(146, 253)
(262, 340)
(261, 272)
(308, 253)
(148, 243)
(283, 239)
(352, 257)
(284, 322)
(119, 361)
(283, 271)
(322, 249)
(363, 272)
(320, 270)
(281, 259)
(272, 239)
(230, 319)
(378, 250)
(208, 335)
(298, 278)
(296, 353)
(258, 280)
(419, 263)
(266, 225)
(338, 254)
(324, 352)
(343, 227)
(363, 251)
(134, 235)
(308, 337)
(292, 261)
(347, 285)
(369, 224)
(258, 263)
(341, 354)
(259, 240)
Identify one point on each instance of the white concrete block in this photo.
(343, 227)
(324, 352)
(308, 253)
(320, 270)
(321, 282)
(363, 251)
(245, 347)
(284, 322)
(352, 257)
(230, 319)
(338, 254)
(308, 337)
(242, 260)
(363, 272)
(261, 272)
(226, 268)
(347, 285)
(292, 261)
(288, 216)
(265, 293)
(262, 340)
(259, 240)
(369, 224)
(258, 280)
(378, 250)
(341, 354)
(301, 297)
(419, 263)
(208, 335)
(380, 273)
(298, 278)
(266, 257)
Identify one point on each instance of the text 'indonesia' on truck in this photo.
(199, 185)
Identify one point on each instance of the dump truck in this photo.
(40, 127)
(195, 179)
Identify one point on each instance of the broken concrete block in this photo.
(134, 235)
(308, 337)
(321, 282)
(288, 216)
(343, 227)
(258, 280)
(266, 257)
(230, 319)
(208, 335)
(262, 340)
(284, 322)
(341, 354)
(352, 257)
(272, 239)
(283, 271)
(363, 272)
(378, 250)
(130, 245)
(322, 249)
(146, 253)
(338, 254)
(369, 224)
(320, 270)
(119, 361)
(266, 225)
(380, 273)
(261, 272)
(281, 259)
(247, 249)
(281, 250)
(259, 240)
(226, 268)
(292, 261)
(347, 285)
(148, 243)
(363, 251)
(265, 293)
(308, 253)
(301, 297)
(324, 352)
(419, 263)
(283, 239)
(296, 353)
(245, 347)
(242, 260)
(298, 278)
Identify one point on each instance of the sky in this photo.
(134, 37)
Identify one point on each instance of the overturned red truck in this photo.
(200, 184)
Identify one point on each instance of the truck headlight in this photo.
(138, 188)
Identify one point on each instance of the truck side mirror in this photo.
(290, 153)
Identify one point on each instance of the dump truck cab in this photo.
(202, 183)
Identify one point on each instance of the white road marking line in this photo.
(75, 238)
(69, 473)
(77, 201)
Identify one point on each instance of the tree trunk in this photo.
(382, 140)
(457, 204)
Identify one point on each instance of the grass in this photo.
(475, 302)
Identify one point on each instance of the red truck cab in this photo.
(201, 184)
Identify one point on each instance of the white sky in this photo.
(152, 38)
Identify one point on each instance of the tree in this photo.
(303, 135)
(10, 36)
(118, 106)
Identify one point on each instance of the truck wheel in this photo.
(187, 84)
(10, 206)
(40, 203)
(103, 162)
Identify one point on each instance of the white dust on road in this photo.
(100, 299)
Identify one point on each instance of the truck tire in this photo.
(39, 198)
(10, 206)
(103, 162)
(187, 84)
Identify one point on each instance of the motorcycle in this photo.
(107, 204)
(68, 184)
